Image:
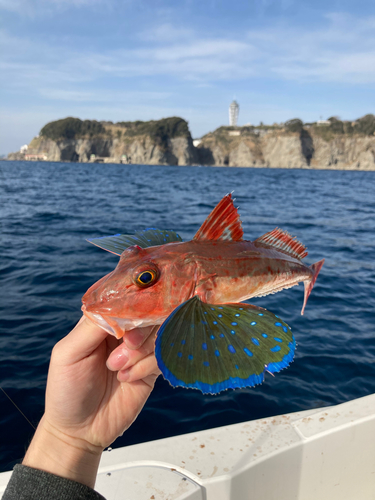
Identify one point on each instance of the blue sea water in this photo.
(48, 209)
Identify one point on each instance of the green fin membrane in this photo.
(145, 238)
(217, 347)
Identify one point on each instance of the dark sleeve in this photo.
(27, 483)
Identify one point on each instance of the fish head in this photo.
(143, 289)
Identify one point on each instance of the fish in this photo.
(209, 339)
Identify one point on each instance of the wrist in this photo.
(53, 451)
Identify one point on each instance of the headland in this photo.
(326, 144)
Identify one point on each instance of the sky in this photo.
(124, 60)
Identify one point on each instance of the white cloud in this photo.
(42, 7)
(341, 50)
(31, 63)
(101, 95)
(165, 32)
(218, 48)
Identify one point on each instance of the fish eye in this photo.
(146, 277)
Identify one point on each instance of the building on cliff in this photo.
(234, 109)
(36, 156)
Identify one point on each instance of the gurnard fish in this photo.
(209, 339)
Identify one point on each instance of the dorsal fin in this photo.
(223, 223)
(146, 238)
(284, 242)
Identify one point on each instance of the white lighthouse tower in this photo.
(234, 109)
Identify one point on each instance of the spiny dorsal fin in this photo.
(284, 242)
(223, 223)
(146, 238)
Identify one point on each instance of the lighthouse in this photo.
(233, 113)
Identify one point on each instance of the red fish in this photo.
(209, 339)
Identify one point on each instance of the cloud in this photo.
(42, 7)
(165, 32)
(340, 50)
(101, 95)
(28, 63)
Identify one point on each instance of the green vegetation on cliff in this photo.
(159, 131)
(327, 130)
(294, 125)
(71, 128)
(364, 126)
(169, 128)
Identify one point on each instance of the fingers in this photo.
(80, 342)
(135, 364)
(146, 369)
(122, 357)
(138, 336)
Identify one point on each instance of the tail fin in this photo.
(309, 284)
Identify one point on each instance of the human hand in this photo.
(89, 404)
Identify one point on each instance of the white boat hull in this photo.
(322, 454)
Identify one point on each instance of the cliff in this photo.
(294, 145)
(166, 141)
(331, 144)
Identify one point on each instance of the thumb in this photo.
(81, 341)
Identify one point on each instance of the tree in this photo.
(365, 125)
(337, 126)
(69, 128)
(294, 125)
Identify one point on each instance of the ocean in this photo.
(48, 209)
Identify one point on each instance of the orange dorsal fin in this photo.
(284, 242)
(223, 223)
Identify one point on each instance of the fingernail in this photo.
(134, 339)
(118, 360)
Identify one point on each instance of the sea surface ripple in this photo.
(48, 209)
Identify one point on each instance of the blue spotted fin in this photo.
(217, 347)
(146, 238)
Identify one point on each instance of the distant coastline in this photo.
(328, 144)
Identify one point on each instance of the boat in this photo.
(318, 454)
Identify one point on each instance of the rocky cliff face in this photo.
(143, 150)
(282, 149)
(344, 153)
(163, 142)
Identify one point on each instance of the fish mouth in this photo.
(99, 320)
(114, 326)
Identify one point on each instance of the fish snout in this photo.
(101, 295)
(98, 301)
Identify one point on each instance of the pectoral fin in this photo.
(217, 347)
